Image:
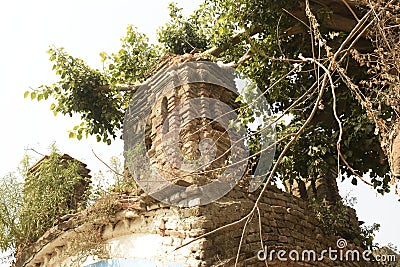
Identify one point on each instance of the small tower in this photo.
(193, 139)
(77, 197)
(185, 116)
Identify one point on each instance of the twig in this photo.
(221, 228)
(298, 19)
(108, 166)
(32, 149)
(237, 38)
(333, 108)
(242, 237)
(118, 87)
(352, 170)
(350, 9)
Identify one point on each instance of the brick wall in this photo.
(156, 230)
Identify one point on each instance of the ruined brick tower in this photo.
(146, 231)
(187, 137)
(189, 133)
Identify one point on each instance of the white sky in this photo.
(85, 28)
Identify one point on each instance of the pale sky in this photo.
(86, 28)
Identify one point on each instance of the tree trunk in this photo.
(324, 187)
(394, 153)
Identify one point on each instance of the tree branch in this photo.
(339, 15)
(118, 87)
(237, 38)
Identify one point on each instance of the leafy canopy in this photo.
(93, 94)
(273, 40)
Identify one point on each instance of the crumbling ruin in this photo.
(144, 228)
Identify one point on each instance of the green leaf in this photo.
(33, 95)
(26, 94)
(103, 56)
(71, 135)
(39, 97)
(52, 106)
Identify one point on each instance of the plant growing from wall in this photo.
(368, 234)
(88, 241)
(33, 200)
(48, 194)
(10, 208)
(332, 217)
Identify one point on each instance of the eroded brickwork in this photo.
(281, 222)
(166, 126)
(287, 223)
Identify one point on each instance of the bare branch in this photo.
(108, 166)
(32, 149)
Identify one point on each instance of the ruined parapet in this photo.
(323, 188)
(297, 188)
(157, 234)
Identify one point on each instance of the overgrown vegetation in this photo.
(36, 198)
(10, 211)
(332, 217)
(89, 241)
(338, 83)
(103, 206)
(335, 219)
(265, 39)
(33, 199)
(368, 233)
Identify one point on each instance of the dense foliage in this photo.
(273, 40)
(32, 201)
(95, 94)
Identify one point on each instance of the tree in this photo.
(33, 199)
(332, 66)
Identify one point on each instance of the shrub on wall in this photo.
(53, 187)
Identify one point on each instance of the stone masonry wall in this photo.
(287, 223)
(155, 231)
